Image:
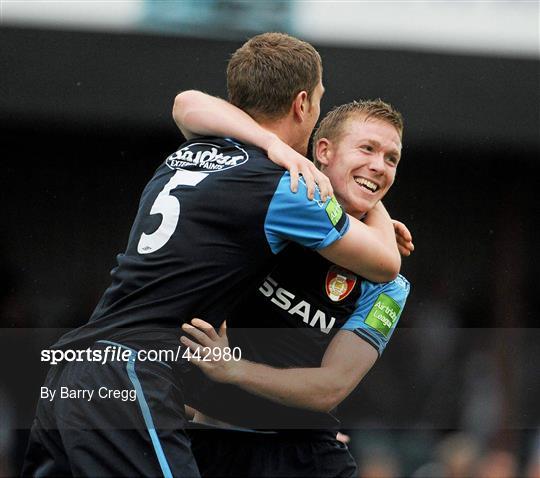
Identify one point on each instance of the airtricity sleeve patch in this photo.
(378, 310)
(384, 314)
(293, 217)
(334, 211)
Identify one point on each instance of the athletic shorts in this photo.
(305, 453)
(140, 434)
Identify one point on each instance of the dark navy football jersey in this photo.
(289, 322)
(209, 227)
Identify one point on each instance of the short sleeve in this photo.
(293, 217)
(378, 310)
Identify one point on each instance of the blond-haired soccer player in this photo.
(311, 331)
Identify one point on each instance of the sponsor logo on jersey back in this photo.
(207, 157)
(384, 314)
(339, 283)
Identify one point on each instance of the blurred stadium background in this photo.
(86, 94)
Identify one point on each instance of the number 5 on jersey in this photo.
(169, 207)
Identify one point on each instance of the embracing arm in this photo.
(347, 359)
(198, 114)
(368, 248)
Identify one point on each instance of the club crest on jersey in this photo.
(339, 283)
(205, 157)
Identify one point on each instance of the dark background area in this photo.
(86, 118)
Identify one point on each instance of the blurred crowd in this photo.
(453, 455)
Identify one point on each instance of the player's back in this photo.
(198, 241)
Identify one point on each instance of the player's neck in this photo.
(288, 132)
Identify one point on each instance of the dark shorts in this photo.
(140, 433)
(306, 453)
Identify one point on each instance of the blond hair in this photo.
(333, 124)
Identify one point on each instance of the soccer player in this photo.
(210, 224)
(311, 331)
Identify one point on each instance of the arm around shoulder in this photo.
(199, 114)
(363, 251)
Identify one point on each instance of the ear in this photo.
(324, 151)
(300, 105)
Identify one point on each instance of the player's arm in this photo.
(199, 114)
(364, 249)
(368, 248)
(347, 359)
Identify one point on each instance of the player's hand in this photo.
(403, 238)
(212, 364)
(286, 157)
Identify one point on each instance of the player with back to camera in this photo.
(296, 329)
(209, 226)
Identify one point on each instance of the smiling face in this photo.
(361, 163)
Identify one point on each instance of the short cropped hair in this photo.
(267, 72)
(334, 123)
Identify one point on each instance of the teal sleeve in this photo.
(293, 217)
(378, 310)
